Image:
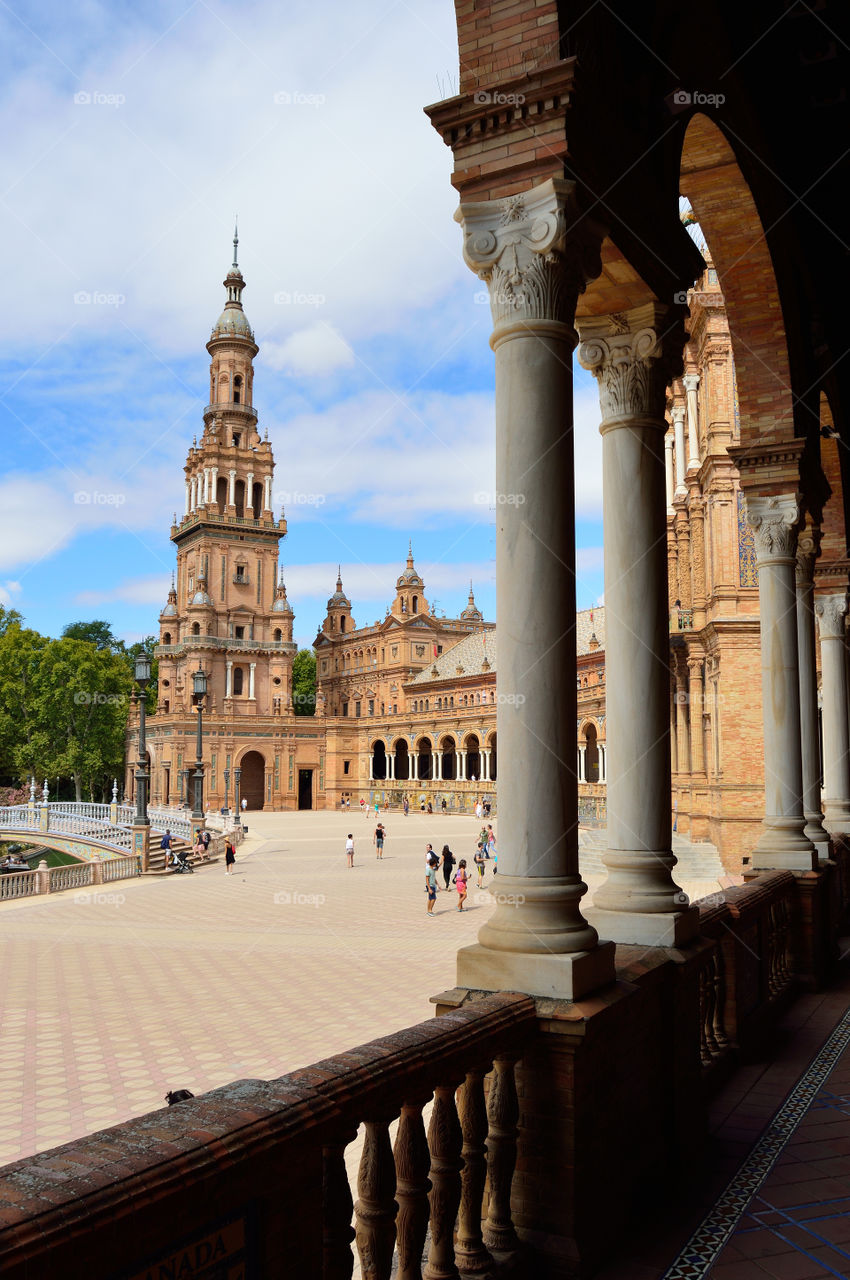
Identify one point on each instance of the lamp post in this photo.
(143, 679)
(199, 685)
(226, 790)
(237, 778)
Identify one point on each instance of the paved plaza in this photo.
(194, 981)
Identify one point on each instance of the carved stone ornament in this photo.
(535, 251)
(831, 611)
(633, 366)
(808, 550)
(774, 521)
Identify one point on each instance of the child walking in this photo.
(461, 881)
(349, 849)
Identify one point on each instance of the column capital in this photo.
(831, 611)
(695, 664)
(808, 550)
(633, 356)
(775, 520)
(535, 251)
(690, 381)
(677, 414)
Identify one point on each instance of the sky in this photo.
(132, 137)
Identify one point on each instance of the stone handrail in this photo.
(77, 875)
(177, 822)
(285, 1140)
(18, 884)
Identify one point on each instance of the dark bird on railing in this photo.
(178, 1095)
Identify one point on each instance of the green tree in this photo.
(96, 632)
(21, 654)
(79, 714)
(304, 683)
(9, 618)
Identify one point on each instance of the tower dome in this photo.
(472, 613)
(233, 323)
(281, 604)
(339, 597)
(408, 576)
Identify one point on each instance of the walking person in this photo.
(448, 862)
(362, 805)
(349, 849)
(461, 883)
(478, 859)
(229, 858)
(205, 841)
(490, 846)
(406, 806)
(431, 883)
(479, 810)
(378, 839)
(166, 843)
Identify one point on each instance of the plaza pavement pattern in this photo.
(112, 998)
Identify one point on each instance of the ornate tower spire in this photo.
(236, 245)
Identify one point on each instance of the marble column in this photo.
(683, 759)
(669, 471)
(696, 704)
(213, 485)
(228, 678)
(371, 766)
(783, 844)
(461, 766)
(603, 776)
(831, 612)
(437, 757)
(690, 382)
(536, 251)
(231, 491)
(251, 673)
(633, 357)
(188, 497)
(582, 764)
(249, 495)
(678, 416)
(206, 485)
(808, 548)
(267, 494)
(193, 491)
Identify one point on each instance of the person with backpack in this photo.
(166, 843)
(448, 863)
(479, 863)
(229, 858)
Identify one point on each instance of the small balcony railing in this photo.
(232, 406)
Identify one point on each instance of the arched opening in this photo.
(415, 604)
(448, 760)
(253, 779)
(237, 389)
(379, 760)
(424, 762)
(278, 635)
(238, 680)
(196, 628)
(257, 500)
(473, 757)
(493, 768)
(402, 761)
(166, 637)
(342, 624)
(240, 497)
(591, 754)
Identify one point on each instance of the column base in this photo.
(783, 846)
(565, 976)
(815, 831)
(836, 817)
(646, 928)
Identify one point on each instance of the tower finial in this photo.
(236, 243)
(339, 577)
(410, 553)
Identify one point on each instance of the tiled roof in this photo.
(590, 622)
(468, 653)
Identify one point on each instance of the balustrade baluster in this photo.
(704, 1044)
(337, 1208)
(720, 1037)
(375, 1209)
(502, 1116)
(412, 1162)
(445, 1140)
(470, 1251)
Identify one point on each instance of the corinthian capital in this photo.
(808, 550)
(633, 357)
(535, 251)
(831, 611)
(774, 521)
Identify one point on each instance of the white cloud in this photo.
(8, 590)
(376, 581)
(317, 350)
(149, 590)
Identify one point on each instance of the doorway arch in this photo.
(252, 785)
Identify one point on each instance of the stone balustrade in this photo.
(76, 875)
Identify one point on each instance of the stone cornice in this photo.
(752, 459)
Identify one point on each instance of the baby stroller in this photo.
(182, 863)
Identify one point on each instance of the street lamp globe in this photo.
(199, 683)
(143, 669)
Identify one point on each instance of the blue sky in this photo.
(132, 137)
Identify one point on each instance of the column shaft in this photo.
(808, 545)
(696, 705)
(678, 416)
(783, 843)
(691, 382)
(832, 611)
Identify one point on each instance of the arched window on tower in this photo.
(237, 680)
(166, 637)
(415, 604)
(196, 628)
(342, 624)
(237, 389)
(278, 635)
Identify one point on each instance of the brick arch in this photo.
(723, 203)
(832, 460)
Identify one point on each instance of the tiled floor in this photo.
(774, 1197)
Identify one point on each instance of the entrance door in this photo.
(305, 788)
